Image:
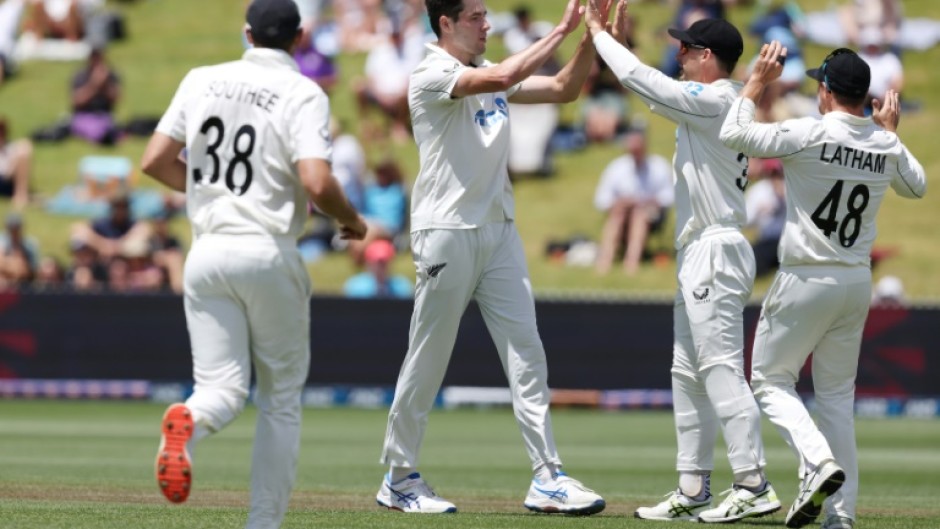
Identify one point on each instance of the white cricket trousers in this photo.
(715, 276)
(486, 264)
(819, 310)
(247, 302)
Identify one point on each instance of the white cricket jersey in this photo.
(710, 178)
(245, 124)
(837, 170)
(463, 146)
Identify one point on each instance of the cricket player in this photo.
(837, 170)
(715, 268)
(466, 246)
(258, 146)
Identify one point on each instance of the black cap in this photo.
(844, 73)
(273, 20)
(716, 34)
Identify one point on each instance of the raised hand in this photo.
(769, 64)
(619, 30)
(572, 17)
(596, 14)
(887, 113)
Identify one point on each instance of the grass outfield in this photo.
(89, 465)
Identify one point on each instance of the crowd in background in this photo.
(121, 253)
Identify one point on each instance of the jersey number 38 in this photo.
(242, 148)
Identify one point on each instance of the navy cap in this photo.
(844, 73)
(716, 34)
(273, 20)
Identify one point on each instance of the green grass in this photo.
(170, 36)
(89, 465)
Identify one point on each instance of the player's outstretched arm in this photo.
(521, 65)
(564, 86)
(161, 160)
(326, 193)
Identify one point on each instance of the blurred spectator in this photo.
(783, 21)
(349, 163)
(362, 24)
(139, 273)
(886, 69)
(312, 61)
(18, 255)
(888, 292)
(388, 66)
(604, 105)
(86, 273)
(16, 159)
(95, 92)
(635, 191)
(55, 19)
(376, 281)
(765, 202)
(50, 275)
(107, 235)
(167, 254)
(10, 13)
(884, 16)
(385, 207)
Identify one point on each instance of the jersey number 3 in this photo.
(242, 152)
(825, 215)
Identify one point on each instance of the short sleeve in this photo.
(436, 80)
(310, 128)
(173, 122)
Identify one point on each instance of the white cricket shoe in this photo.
(564, 495)
(676, 507)
(740, 503)
(412, 494)
(834, 521)
(814, 489)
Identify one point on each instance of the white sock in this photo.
(752, 480)
(695, 485)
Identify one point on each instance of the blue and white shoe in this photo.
(564, 495)
(412, 494)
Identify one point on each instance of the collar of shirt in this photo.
(434, 48)
(271, 57)
(737, 85)
(848, 119)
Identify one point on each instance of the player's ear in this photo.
(446, 24)
(248, 36)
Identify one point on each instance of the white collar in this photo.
(271, 57)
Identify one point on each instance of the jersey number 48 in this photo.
(825, 215)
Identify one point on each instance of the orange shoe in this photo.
(173, 468)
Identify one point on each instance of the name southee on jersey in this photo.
(244, 93)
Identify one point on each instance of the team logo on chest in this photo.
(488, 118)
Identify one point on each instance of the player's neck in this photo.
(465, 57)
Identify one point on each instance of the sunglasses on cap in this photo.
(691, 46)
